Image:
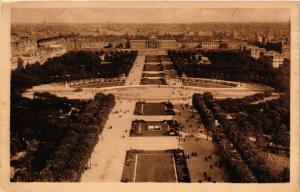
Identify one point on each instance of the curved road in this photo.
(148, 92)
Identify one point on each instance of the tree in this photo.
(285, 174)
(20, 63)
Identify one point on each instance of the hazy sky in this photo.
(147, 15)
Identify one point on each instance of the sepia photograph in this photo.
(152, 93)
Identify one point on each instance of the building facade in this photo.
(167, 43)
(91, 44)
(273, 58)
(138, 44)
(152, 43)
(210, 44)
(190, 44)
(253, 51)
(41, 55)
(20, 48)
(286, 50)
(235, 44)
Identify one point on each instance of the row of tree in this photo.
(73, 65)
(65, 142)
(247, 149)
(233, 66)
(270, 117)
(234, 164)
(230, 105)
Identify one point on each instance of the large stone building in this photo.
(138, 44)
(211, 44)
(235, 44)
(190, 43)
(69, 44)
(167, 43)
(75, 42)
(23, 47)
(83, 44)
(90, 44)
(273, 58)
(40, 55)
(253, 51)
(152, 43)
(286, 50)
(202, 59)
(50, 41)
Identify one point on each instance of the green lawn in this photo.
(150, 67)
(155, 168)
(153, 75)
(142, 108)
(147, 81)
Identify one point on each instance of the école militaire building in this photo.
(153, 43)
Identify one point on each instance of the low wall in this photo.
(97, 83)
(194, 81)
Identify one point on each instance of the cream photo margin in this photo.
(5, 67)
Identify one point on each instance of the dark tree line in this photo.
(269, 117)
(270, 46)
(58, 137)
(247, 149)
(233, 66)
(236, 167)
(73, 65)
(230, 105)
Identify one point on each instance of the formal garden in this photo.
(152, 67)
(155, 166)
(153, 75)
(154, 128)
(147, 108)
(152, 81)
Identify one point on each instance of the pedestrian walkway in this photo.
(135, 74)
(108, 157)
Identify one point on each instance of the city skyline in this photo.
(148, 15)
